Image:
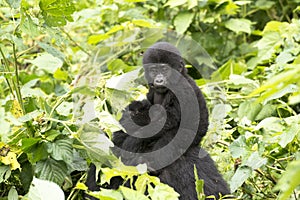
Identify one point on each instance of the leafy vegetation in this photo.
(68, 68)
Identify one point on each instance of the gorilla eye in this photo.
(164, 69)
(153, 69)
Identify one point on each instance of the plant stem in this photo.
(80, 47)
(17, 82)
(6, 65)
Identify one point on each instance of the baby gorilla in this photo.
(164, 130)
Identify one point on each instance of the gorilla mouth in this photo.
(160, 88)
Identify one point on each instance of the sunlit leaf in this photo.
(175, 3)
(13, 194)
(240, 176)
(124, 81)
(47, 62)
(14, 3)
(142, 23)
(106, 194)
(11, 159)
(94, 39)
(289, 181)
(183, 21)
(130, 194)
(255, 161)
(239, 25)
(39, 188)
(192, 3)
(57, 12)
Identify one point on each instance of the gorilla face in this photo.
(163, 66)
(158, 76)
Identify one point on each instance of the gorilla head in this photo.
(159, 62)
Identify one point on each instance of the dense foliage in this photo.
(61, 59)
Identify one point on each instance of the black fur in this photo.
(180, 173)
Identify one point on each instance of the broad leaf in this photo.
(130, 194)
(239, 25)
(240, 176)
(52, 170)
(57, 12)
(45, 190)
(47, 62)
(183, 21)
(289, 181)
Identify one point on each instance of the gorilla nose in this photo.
(159, 81)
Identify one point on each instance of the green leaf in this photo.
(183, 21)
(52, 134)
(272, 26)
(57, 12)
(26, 175)
(13, 194)
(13, 3)
(61, 75)
(77, 163)
(28, 26)
(192, 3)
(220, 111)
(37, 152)
(65, 108)
(143, 23)
(240, 176)
(231, 8)
(30, 90)
(108, 122)
(116, 66)
(175, 3)
(239, 25)
(106, 194)
(264, 4)
(94, 39)
(141, 183)
(97, 146)
(163, 192)
(51, 50)
(267, 46)
(238, 148)
(130, 194)
(61, 150)
(280, 93)
(278, 82)
(115, 29)
(29, 143)
(267, 111)
(240, 80)
(284, 57)
(47, 62)
(289, 134)
(122, 171)
(5, 173)
(29, 116)
(199, 183)
(255, 161)
(52, 170)
(45, 190)
(249, 109)
(124, 81)
(230, 67)
(271, 125)
(289, 180)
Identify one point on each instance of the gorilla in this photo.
(165, 129)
